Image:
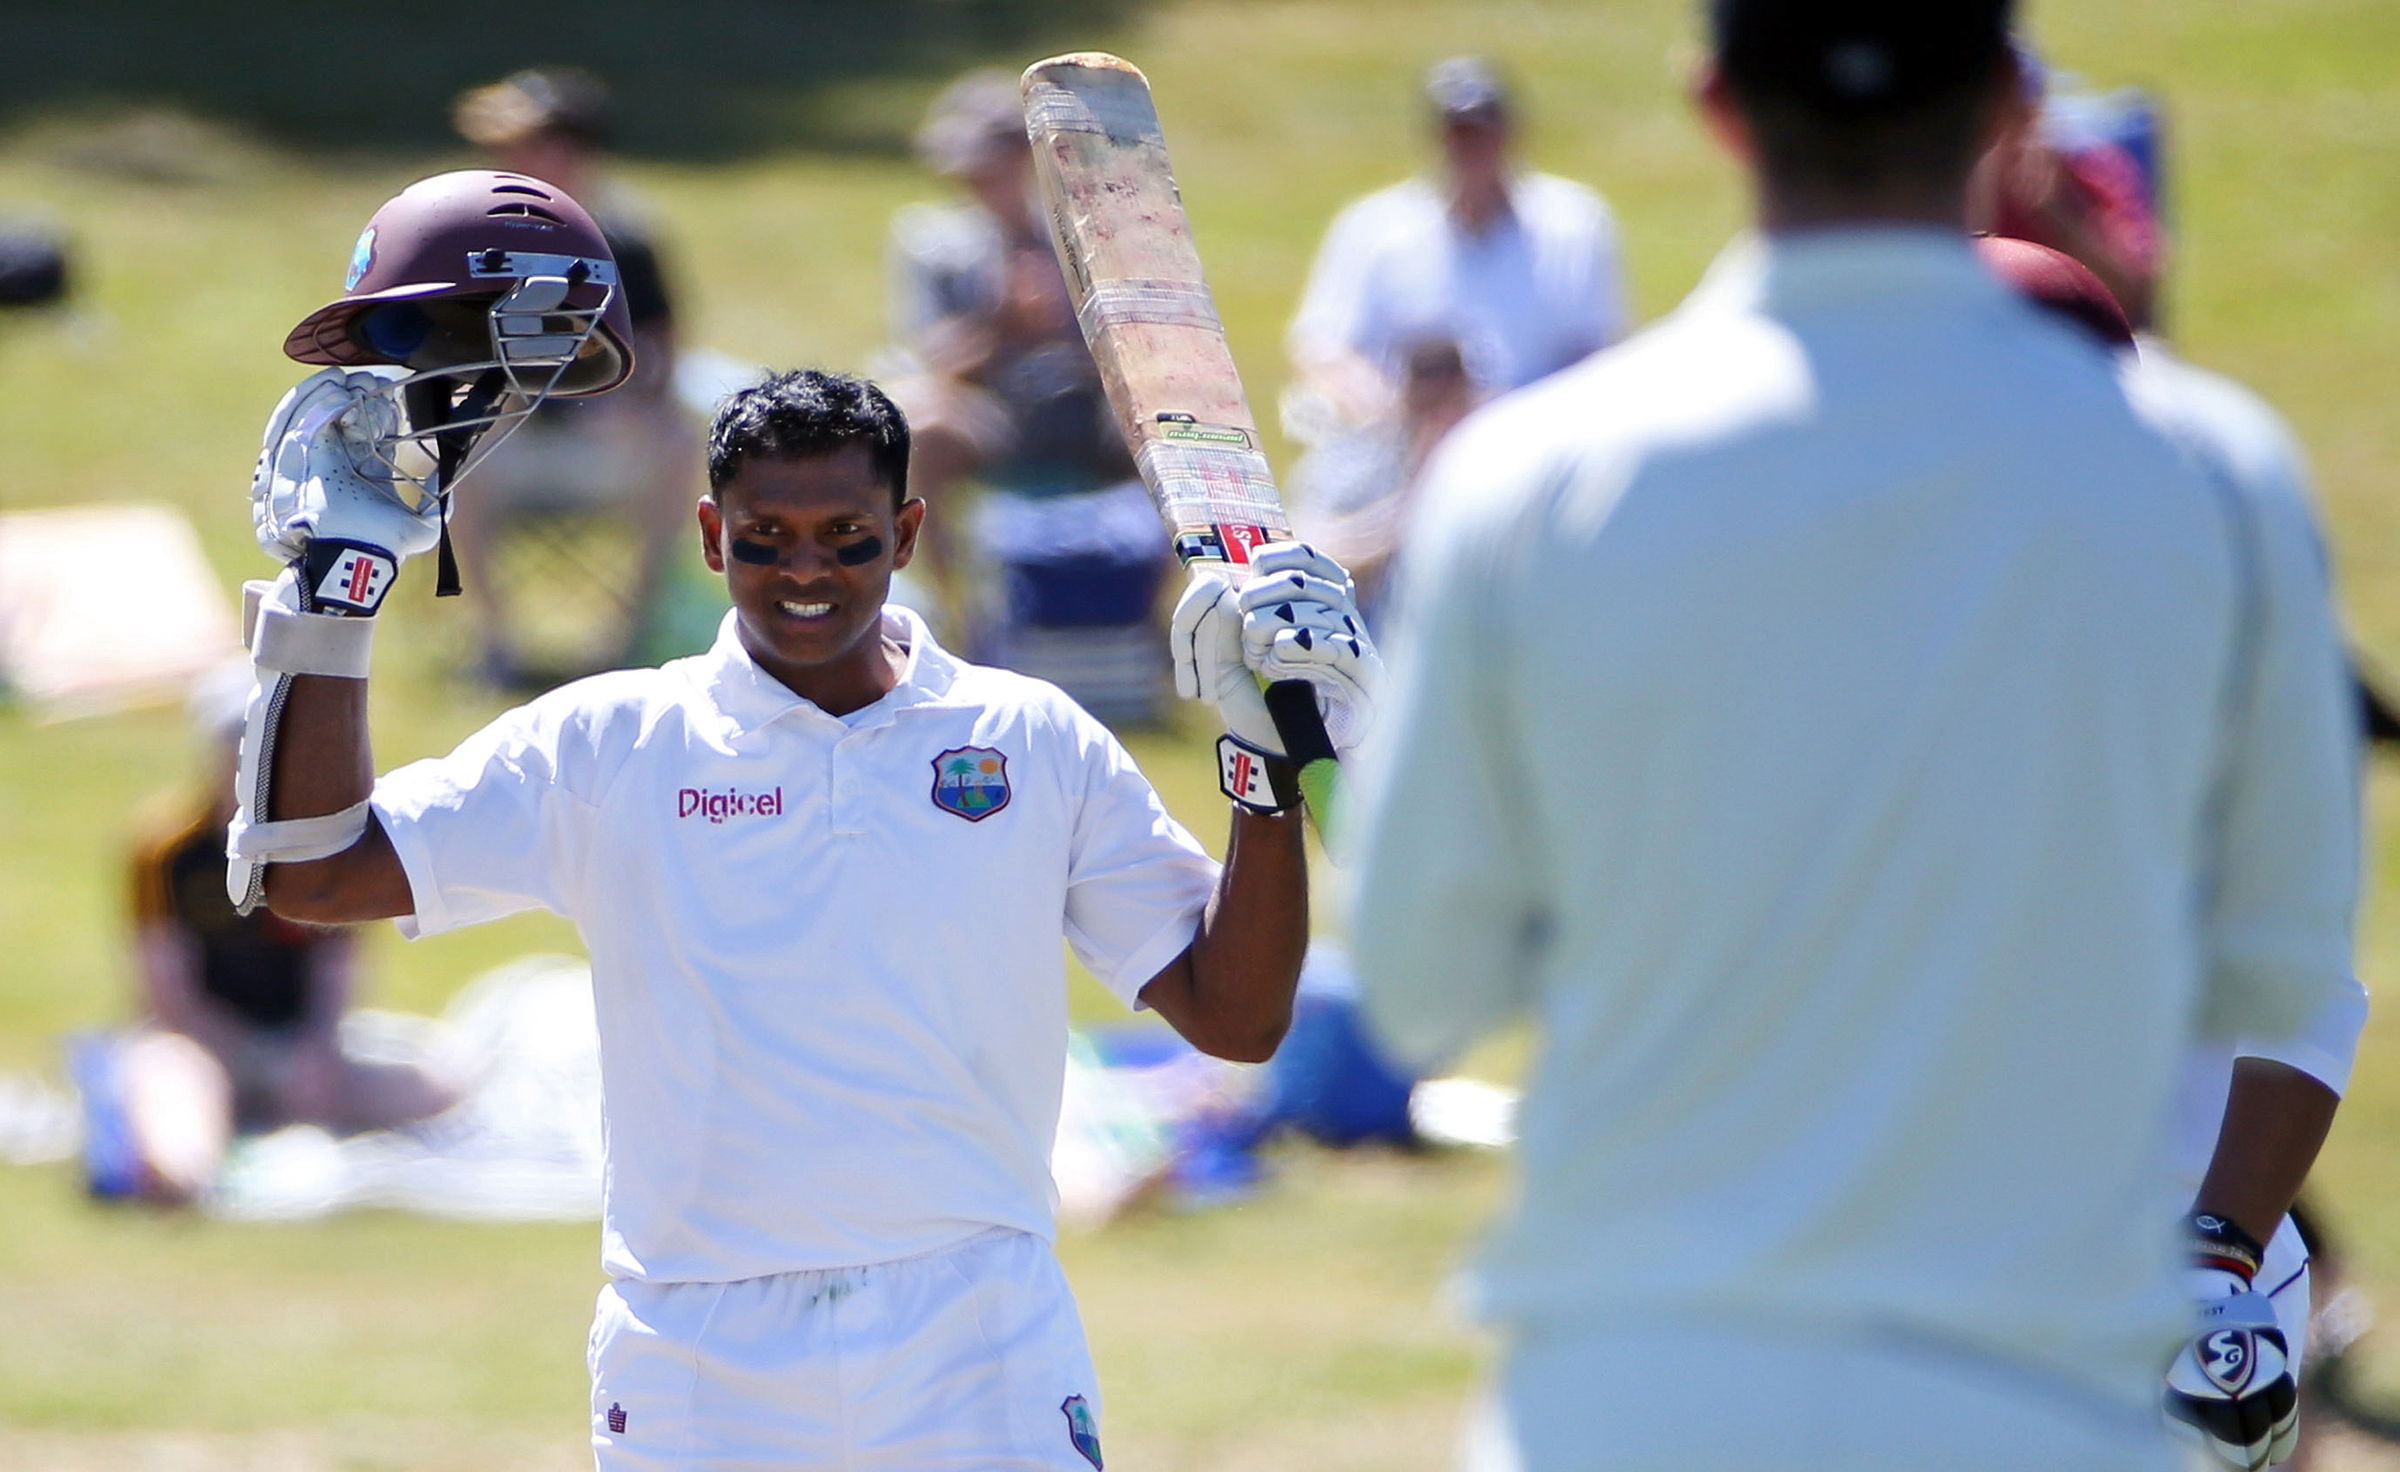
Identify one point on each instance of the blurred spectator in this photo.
(1360, 505)
(630, 457)
(1059, 574)
(1518, 269)
(241, 1031)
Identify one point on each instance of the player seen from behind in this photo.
(1869, 752)
(822, 871)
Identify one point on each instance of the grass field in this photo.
(1302, 1330)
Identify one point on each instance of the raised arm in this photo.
(323, 764)
(1230, 992)
(303, 839)
(1297, 618)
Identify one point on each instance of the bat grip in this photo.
(1293, 704)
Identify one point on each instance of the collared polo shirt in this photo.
(1871, 754)
(826, 952)
(1536, 290)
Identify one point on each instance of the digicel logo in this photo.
(699, 802)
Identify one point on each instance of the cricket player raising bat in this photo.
(823, 871)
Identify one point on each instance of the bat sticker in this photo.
(1241, 540)
(1185, 428)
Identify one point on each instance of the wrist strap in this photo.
(2218, 1243)
(288, 642)
(347, 578)
(1258, 780)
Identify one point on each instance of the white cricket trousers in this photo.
(971, 1359)
(1687, 1397)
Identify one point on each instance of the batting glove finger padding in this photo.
(1282, 557)
(324, 472)
(1205, 639)
(1300, 621)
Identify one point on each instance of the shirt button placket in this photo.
(844, 788)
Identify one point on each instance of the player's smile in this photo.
(808, 545)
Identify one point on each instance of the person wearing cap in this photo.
(1054, 569)
(631, 459)
(1870, 753)
(1517, 270)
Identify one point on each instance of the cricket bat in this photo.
(1126, 246)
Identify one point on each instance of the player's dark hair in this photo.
(804, 412)
(1802, 146)
(1852, 95)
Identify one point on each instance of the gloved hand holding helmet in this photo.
(471, 299)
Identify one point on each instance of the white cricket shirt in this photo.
(826, 953)
(2243, 441)
(1869, 753)
(1535, 291)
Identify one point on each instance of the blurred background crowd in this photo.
(1401, 224)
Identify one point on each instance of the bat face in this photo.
(1126, 246)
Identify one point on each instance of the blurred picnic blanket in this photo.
(1143, 1116)
(80, 635)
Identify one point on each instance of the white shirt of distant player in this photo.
(1536, 290)
(825, 952)
(2247, 444)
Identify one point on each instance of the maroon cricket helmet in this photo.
(2057, 282)
(427, 278)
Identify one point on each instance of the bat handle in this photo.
(1293, 704)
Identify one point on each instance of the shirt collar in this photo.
(1511, 216)
(751, 697)
(1838, 266)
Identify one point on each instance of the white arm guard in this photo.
(284, 642)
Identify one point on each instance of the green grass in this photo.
(1302, 1330)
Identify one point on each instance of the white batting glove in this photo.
(1300, 621)
(324, 495)
(2230, 1391)
(1205, 637)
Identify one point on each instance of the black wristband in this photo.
(1258, 780)
(2218, 1242)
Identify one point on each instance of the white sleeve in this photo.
(2326, 1048)
(2284, 833)
(488, 830)
(1445, 919)
(1137, 881)
(1333, 308)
